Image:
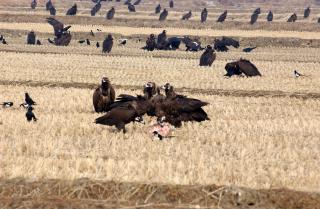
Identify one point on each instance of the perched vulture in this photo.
(223, 16)
(257, 11)
(175, 109)
(242, 66)
(171, 4)
(149, 90)
(191, 45)
(48, 5)
(107, 44)
(270, 16)
(187, 16)
(52, 11)
(306, 12)
(163, 15)
(173, 43)
(248, 49)
(103, 96)
(63, 36)
(33, 4)
(137, 2)
(254, 18)
(110, 13)
(95, 9)
(73, 10)
(204, 15)
(207, 57)
(292, 18)
(162, 40)
(31, 38)
(150, 43)
(230, 42)
(158, 9)
(30, 115)
(131, 8)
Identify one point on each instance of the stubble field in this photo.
(262, 142)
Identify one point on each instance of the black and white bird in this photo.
(296, 74)
(30, 115)
(248, 49)
(123, 41)
(7, 104)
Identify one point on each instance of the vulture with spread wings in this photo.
(62, 35)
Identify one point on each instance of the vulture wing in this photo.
(184, 104)
(247, 68)
(57, 26)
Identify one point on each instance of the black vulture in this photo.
(173, 43)
(31, 38)
(307, 12)
(52, 11)
(207, 57)
(137, 2)
(270, 16)
(162, 40)
(30, 115)
(151, 43)
(187, 16)
(49, 5)
(292, 18)
(110, 13)
(7, 104)
(171, 4)
(73, 10)
(107, 44)
(91, 33)
(33, 4)
(103, 96)
(223, 16)
(95, 9)
(131, 8)
(248, 49)
(257, 11)
(163, 15)
(242, 66)
(254, 18)
(127, 2)
(158, 9)
(1, 37)
(191, 45)
(204, 15)
(63, 36)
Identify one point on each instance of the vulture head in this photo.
(169, 90)
(105, 83)
(109, 37)
(150, 89)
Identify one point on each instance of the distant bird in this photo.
(73, 10)
(30, 115)
(62, 35)
(151, 43)
(1, 37)
(223, 16)
(158, 9)
(171, 4)
(296, 74)
(292, 18)
(88, 42)
(204, 15)
(95, 9)
(270, 16)
(91, 33)
(81, 41)
(97, 44)
(103, 96)
(33, 4)
(31, 38)
(28, 100)
(4, 41)
(7, 104)
(110, 13)
(307, 12)
(49, 5)
(131, 8)
(39, 42)
(163, 15)
(137, 2)
(248, 49)
(208, 57)
(187, 16)
(123, 41)
(99, 30)
(107, 44)
(254, 18)
(241, 66)
(162, 40)
(52, 11)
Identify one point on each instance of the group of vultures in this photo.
(163, 14)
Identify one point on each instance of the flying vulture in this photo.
(207, 57)
(31, 38)
(173, 43)
(62, 35)
(30, 115)
(204, 15)
(107, 44)
(110, 13)
(95, 9)
(158, 9)
(163, 15)
(223, 16)
(73, 10)
(131, 8)
(242, 66)
(307, 12)
(171, 4)
(33, 4)
(103, 96)
(187, 16)
(292, 18)
(270, 16)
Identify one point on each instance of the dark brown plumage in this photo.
(162, 40)
(292, 18)
(307, 12)
(207, 57)
(257, 10)
(107, 44)
(171, 4)
(73, 10)
(131, 8)
(223, 16)
(110, 13)
(187, 16)
(242, 66)
(95, 9)
(158, 9)
(49, 5)
(254, 18)
(163, 15)
(150, 43)
(33, 4)
(52, 11)
(204, 15)
(270, 16)
(103, 96)
(31, 38)
(137, 2)
(63, 36)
